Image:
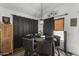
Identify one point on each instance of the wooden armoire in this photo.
(6, 38)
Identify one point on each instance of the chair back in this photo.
(28, 44)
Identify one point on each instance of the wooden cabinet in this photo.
(6, 38)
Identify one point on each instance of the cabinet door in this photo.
(0, 37)
(6, 40)
(25, 26)
(29, 26)
(35, 26)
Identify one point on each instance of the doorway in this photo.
(59, 31)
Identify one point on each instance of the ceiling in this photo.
(32, 9)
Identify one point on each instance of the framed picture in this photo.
(73, 22)
(6, 20)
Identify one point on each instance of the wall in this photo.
(72, 32)
(8, 13)
(40, 26)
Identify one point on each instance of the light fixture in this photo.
(53, 13)
(41, 22)
(41, 12)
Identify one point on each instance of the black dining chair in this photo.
(28, 45)
(44, 48)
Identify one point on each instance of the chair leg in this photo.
(27, 53)
(58, 52)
